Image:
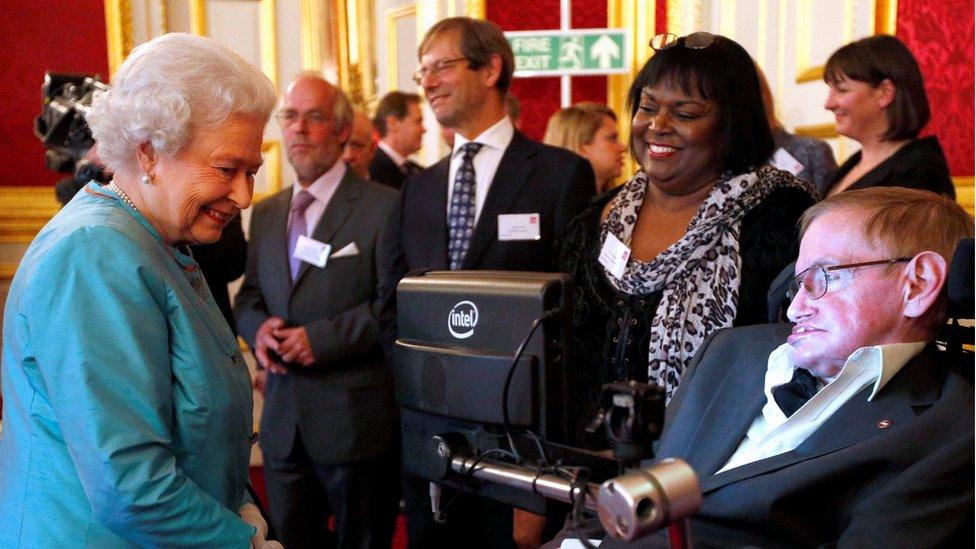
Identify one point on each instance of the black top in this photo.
(920, 164)
(611, 329)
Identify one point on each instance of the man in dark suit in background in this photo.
(850, 429)
(308, 309)
(400, 124)
(499, 201)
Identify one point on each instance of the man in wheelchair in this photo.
(848, 427)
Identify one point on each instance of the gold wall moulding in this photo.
(23, 211)
(820, 131)
(964, 192)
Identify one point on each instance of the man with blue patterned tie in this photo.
(498, 201)
(307, 308)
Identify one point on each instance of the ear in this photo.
(392, 123)
(342, 135)
(147, 158)
(886, 93)
(493, 70)
(925, 277)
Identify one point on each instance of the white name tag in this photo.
(614, 255)
(518, 227)
(312, 251)
(783, 160)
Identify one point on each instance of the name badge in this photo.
(518, 226)
(785, 161)
(312, 251)
(614, 255)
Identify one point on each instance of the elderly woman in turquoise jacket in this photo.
(127, 404)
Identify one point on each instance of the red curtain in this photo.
(37, 36)
(940, 35)
(539, 97)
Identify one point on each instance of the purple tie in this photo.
(296, 227)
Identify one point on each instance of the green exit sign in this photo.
(579, 51)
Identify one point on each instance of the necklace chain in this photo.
(125, 198)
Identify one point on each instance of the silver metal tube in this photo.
(522, 478)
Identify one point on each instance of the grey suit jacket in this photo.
(343, 405)
(896, 471)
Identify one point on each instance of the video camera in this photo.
(62, 126)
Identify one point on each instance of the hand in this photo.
(251, 515)
(260, 380)
(264, 340)
(293, 346)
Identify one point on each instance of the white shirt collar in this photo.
(882, 361)
(497, 137)
(396, 157)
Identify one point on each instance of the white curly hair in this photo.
(167, 90)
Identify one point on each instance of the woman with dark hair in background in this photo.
(689, 244)
(878, 99)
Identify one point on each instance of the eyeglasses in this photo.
(311, 118)
(437, 68)
(815, 279)
(695, 41)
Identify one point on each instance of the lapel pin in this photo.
(884, 424)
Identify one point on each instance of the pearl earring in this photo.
(146, 180)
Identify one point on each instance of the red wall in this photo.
(539, 97)
(940, 35)
(36, 36)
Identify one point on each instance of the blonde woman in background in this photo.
(590, 130)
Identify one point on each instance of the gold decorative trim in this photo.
(163, 23)
(23, 211)
(311, 43)
(271, 150)
(885, 16)
(475, 9)
(341, 41)
(7, 271)
(198, 17)
(638, 18)
(118, 30)
(820, 131)
(392, 15)
(269, 41)
(964, 192)
(805, 71)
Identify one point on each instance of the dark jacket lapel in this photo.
(513, 172)
(910, 391)
(279, 206)
(340, 206)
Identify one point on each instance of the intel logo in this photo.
(462, 319)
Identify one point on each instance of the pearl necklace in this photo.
(125, 198)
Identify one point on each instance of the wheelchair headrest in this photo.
(960, 281)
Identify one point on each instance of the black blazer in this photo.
(856, 482)
(382, 169)
(343, 404)
(920, 164)
(531, 178)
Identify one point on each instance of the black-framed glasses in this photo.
(437, 68)
(695, 41)
(814, 280)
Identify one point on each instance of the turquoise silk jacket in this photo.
(126, 401)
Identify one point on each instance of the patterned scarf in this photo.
(699, 274)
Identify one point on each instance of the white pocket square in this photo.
(348, 250)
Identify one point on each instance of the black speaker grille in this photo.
(433, 383)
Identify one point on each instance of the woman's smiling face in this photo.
(195, 193)
(676, 139)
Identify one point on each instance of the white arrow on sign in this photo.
(605, 50)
